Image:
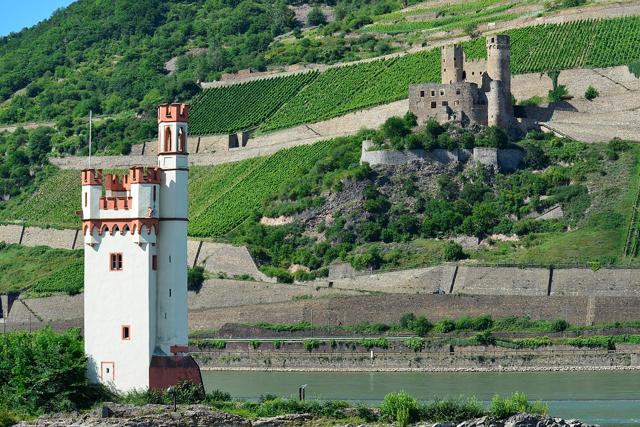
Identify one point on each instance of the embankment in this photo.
(241, 356)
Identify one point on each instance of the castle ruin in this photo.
(472, 91)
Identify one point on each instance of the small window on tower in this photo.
(126, 333)
(457, 91)
(154, 262)
(421, 94)
(433, 93)
(85, 200)
(154, 193)
(115, 262)
(433, 104)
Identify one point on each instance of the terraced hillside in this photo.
(590, 43)
(220, 197)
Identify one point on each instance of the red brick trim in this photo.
(133, 225)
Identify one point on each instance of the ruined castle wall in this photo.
(445, 102)
(475, 71)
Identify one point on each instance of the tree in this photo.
(316, 17)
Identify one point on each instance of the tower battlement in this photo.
(173, 113)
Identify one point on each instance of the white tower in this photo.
(135, 279)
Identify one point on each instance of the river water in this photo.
(608, 398)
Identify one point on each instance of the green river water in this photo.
(608, 398)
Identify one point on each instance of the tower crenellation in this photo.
(135, 237)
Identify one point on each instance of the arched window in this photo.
(181, 140)
(167, 139)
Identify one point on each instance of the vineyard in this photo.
(242, 106)
(289, 101)
(217, 208)
(40, 270)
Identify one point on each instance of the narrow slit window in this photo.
(126, 333)
(169, 293)
(154, 262)
(154, 193)
(85, 200)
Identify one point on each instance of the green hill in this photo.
(338, 91)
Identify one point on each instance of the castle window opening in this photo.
(169, 293)
(181, 140)
(441, 92)
(167, 139)
(492, 40)
(433, 104)
(115, 262)
(126, 333)
(433, 93)
(445, 103)
(154, 262)
(421, 94)
(154, 193)
(457, 91)
(85, 200)
(456, 102)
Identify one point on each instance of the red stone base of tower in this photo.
(167, 371)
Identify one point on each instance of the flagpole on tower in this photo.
(89, 139)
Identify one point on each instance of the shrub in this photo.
(452, 410)
(316, 17)
(254, 344)
(444, 326)
(277, 344)
(556, 95)
(484, 338)
(370, 343)
(365, 412)
(502, 408)
(45, 371)
(395, 127)
(311, 344)
(494, 137)
(559, 325)
(195, 278)
(282, 275)
(399, 407)
(452, 251)
(218, 396)
(591, 93)
(414, 343)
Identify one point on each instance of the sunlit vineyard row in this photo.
(228, 207)
(323, 97)
(242, 106)
(340, 90)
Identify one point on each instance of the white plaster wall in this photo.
(116, 298)
(172, 317)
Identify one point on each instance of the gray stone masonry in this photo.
(502, 281)
(10, 233)
(506, 160)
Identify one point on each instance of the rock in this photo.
(282, 420)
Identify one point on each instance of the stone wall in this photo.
(64, 239)
(10, 233)
(436, 360)
(388, 308)
(501, 281)
(416, 281)
(505, 159)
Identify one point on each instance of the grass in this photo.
(598, 239)
(40, 270)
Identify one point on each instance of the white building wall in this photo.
(114, 299)
(172, 249)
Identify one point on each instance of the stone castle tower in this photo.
(135, 286)
(500, 109)
(452, 64)
(472, 91)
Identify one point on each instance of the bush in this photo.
(218, 396)
(415, 343)
(502, 408)
(556, 95)
(282, 275)
(591, 93)
(395, 127)
(452, 251)
(451, 410)
(399, 407)
(254, 344)
(316, 17)
(311, 345)
(484, 338)
(559, 325)
(195, 278)
(493, 137)
(370, 343)
(45, 371)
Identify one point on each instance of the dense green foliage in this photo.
(41, 270)
(44, 372)
(217, 206)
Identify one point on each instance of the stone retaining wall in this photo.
(462, 359)
(504, 159)
(501, 281)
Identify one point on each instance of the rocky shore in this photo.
(110, 414)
